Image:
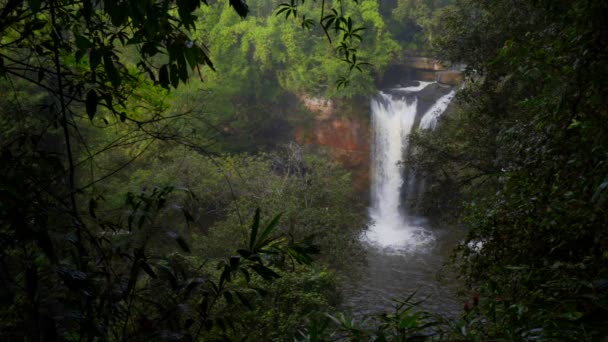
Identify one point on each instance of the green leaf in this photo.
(194, 283)
(220, 323)
(254, 229)
(91, 102)
(31, 281)
(163, 76)
(180, 241)
(119, 13)
(82, 42)
(228, 297)
(208, 62)
(342, 82)
(111, 71)
(267, 231)
(261, 291)
(234, 262)
(599, 190)
(182, 244)
(408, 322)
(193, 56)
(168, 274)
(79, 54)
(38, 24)
(334, 319)
(45, 243)
(87, 9)
(183, 68)
(92, 207)
(144, 266)
(265, 272)
(187, 215)
(281, 10)
(244, 300)
(572, 316)
(245, 274)
(240, 7)
(226, 275)
(174, 75)
(94, 58)
(34, 5)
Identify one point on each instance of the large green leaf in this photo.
(91, 103)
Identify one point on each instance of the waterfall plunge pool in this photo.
(394, 273)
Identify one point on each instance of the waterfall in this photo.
(429, 119)
(393, 119)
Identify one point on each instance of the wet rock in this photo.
(452, 78)
(424, 63)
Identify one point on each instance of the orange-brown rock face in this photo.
(346, 139)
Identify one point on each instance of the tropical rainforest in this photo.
(151, 188)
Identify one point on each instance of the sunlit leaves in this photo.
(348, 34)
(109, 26)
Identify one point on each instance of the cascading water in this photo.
(393, 117)
(429, 119)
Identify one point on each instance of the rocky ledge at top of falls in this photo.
(424, 69)
(427, 96)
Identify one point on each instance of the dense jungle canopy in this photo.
(151, 189)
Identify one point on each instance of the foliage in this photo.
(293, 301)
(527, 152)
(265, 52)
(82, 47)
(126, 291)
(416, 22)
(313, 195)
(405, 323)
(85, 103)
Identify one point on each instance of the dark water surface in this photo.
(390, 274)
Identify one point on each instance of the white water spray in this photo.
(421, 85)
(392, 121)
(429, 119)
